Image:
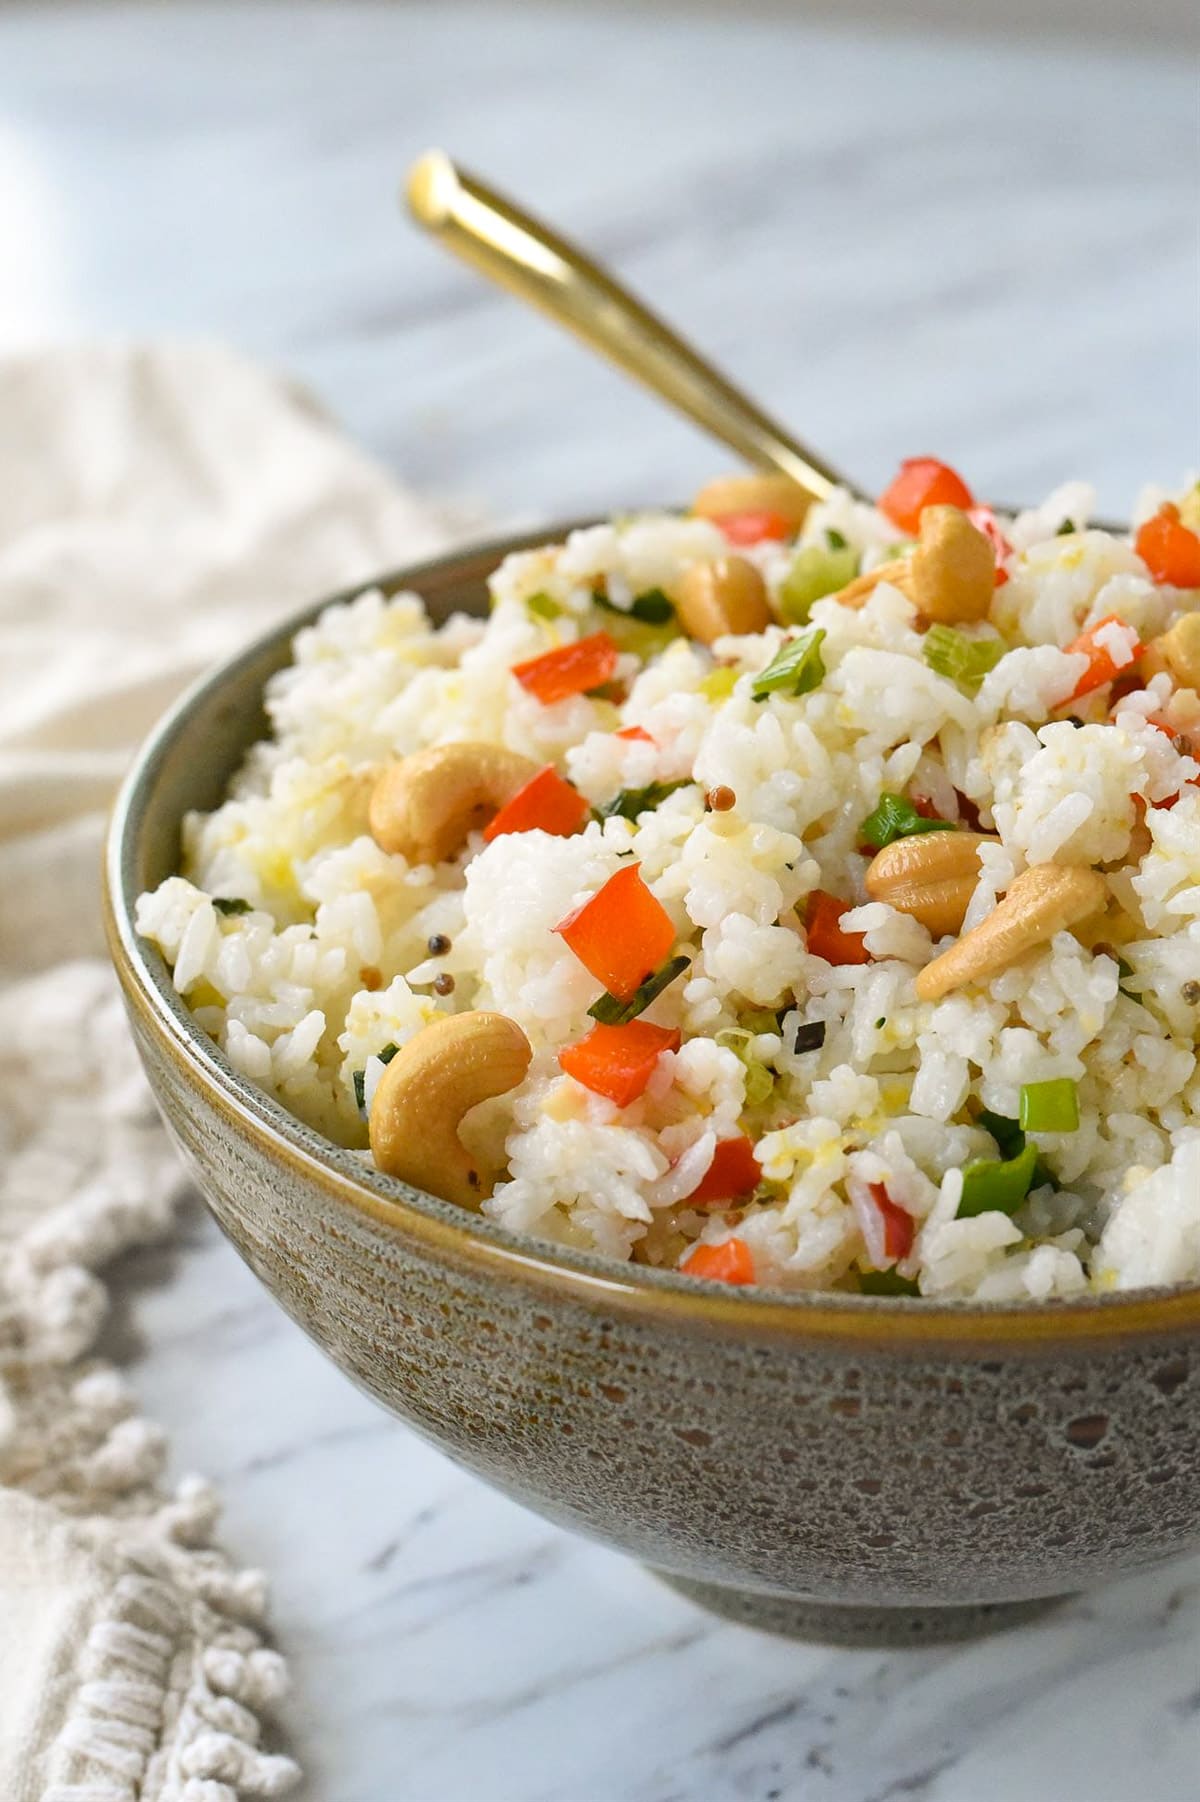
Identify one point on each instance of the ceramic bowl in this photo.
(844, 1467)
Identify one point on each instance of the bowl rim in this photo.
(403, 1213)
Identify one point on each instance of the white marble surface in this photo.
(981, 249)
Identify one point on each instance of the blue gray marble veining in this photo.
(986, 249)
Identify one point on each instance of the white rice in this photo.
(329, 965)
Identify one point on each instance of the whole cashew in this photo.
(425, 805)
(426, 1090)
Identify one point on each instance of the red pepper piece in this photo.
(753, 527)
(1102, 665)
(572, 669)
(622, 934)
(922, 482)
(543, 804)
(1170, 551)
(618, 1061)
(729, 1262)
(636, 734)
(825, 936)
(899, 1227)
(734, 1171)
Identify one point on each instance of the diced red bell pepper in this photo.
(925, 807)
(825, 936)
(543, 804)
(1103, 667)
(729, 1262)
(985, 521)
(1169, 549)
(734, 1171)
(1163, 726)
(922, 482)
(899, 1227)
(636, 734)
(618, 1061)
(572, 669)
(753, 527)
(621, 934)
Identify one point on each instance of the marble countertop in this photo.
(984, 248)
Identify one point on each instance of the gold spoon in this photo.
(509, 246)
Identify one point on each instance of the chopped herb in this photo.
(759, 1077)
(886, 1282)
(835, 541)
(990, 1184)
(653, 608)
(543, 606)
(1065, 530)
(1050, 1107)
(964, 660)
(760, 1019)
(231, 904)
(1073, 719)
(360, 1076)
(797, 668)
(630, 802)
(610, 1011)
(1007, 1133)
(814, 572)
(719, 684)
(897, 818)
(881, 1022)
(1124, 970)
(810, 1036)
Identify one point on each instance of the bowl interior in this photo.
(186, 764)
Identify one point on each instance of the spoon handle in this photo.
(517, 251)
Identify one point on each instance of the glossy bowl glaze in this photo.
(851, 1468)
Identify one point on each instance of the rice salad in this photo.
(803, 895)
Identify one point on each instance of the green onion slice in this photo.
(810, 1036)
(360, 1076)
(964, 660)
(897, 818)
(815, 571)
(797, 668)
(1050, 1107)
(631, 802)
(610, 1011)
(653, 608)
(990, 1184)
(231, 904)
(543, 606)
(886, 1282)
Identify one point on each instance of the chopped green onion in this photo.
(360, 1076)
(1050, 1107)
(881, 1022)
(1124, 970)
(835, 541)
(231, 904)
(611, 1011)
(1066, 529)
(631, 802)
(815, 571)
(990, 1184)
(760, 1019)
(964, 660)
(542, 606)
(1007, 1133)
(653, 608)
(810, 1036)
(886, 1282)
(796, 669)
(759, 1077)
(719, 684)
(897, 818)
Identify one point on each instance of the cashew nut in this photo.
(931, 876)
(953, 568)
(729, 595)
(428, 1088)
(754, 494)
(1042, 901)
(425, 805)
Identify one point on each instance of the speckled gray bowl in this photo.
(843, 1467)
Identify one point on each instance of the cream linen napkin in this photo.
(157, 506)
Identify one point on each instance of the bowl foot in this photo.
(834, 1623)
